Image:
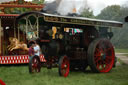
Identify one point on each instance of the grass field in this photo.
(121, 50)
(18, 75)
(126, 55)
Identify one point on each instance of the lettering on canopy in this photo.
(81, 21)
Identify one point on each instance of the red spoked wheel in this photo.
(101, 55)
(64, 66)
(2, 83)
(34, 64)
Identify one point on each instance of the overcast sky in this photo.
(96, 5)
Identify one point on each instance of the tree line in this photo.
(118, 13)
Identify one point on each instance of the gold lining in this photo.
(80, 22)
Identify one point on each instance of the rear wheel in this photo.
(34, 64)
(64, 66)
(101, 55)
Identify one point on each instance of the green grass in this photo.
(126, 55)
(121, 62)
(121, 50)
(18, 75)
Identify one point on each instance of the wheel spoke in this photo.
(97, 65)
(108, 49)
(97, 59)
(97, 49)
(108, 58)
(64, 68)
(107, 61)
(106, 64)
(97, 54)
(102, 65)
(35, 65)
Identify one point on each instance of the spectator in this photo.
(36, 49)
(31, 50)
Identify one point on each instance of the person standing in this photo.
(36, 49)
(31, 50)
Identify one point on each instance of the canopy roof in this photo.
(72, 20)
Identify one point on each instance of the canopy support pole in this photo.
(26, 26)
(14, 31)
(37, 19)
(18, 33)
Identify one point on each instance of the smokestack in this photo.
(51, 7)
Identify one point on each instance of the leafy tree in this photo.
(110, 12)
(120, 38)
(16, 10)
(87, 13)
(118, 13)
(38, 1)
(123, 13)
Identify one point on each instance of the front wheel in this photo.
(64, 66)
(101, 55)
(34, 64)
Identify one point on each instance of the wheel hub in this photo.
(103, 56)
(65, 66)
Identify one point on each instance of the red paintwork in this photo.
(44, 40)
(20, 6)
(20, 59)
(2, 83)
(9, 15)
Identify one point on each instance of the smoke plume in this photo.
(65, 7)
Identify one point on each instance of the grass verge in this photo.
(18, 75)
(121, 50)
